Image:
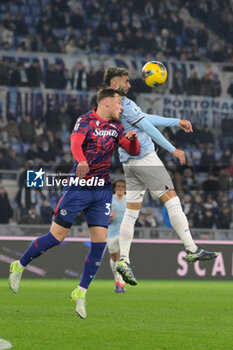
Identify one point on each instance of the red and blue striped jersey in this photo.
(93, 140)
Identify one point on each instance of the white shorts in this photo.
(113, 244)
(146, 173)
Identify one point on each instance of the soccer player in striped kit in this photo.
(92, 144)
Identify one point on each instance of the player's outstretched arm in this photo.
(156, 120)
(166, 122)
(155, 134)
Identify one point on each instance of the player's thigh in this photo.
(113, 245)
(155, 175)
(70, 204)
(135, 188)
(98, 212)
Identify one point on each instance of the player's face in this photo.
(120, 188)
(116, 107)
(123, 83)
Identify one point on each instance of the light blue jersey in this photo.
(133, 118)
(119, 208)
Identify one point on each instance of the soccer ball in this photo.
(154, 73)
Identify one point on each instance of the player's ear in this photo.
(115, 85)
(107, 102)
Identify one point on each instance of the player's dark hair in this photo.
(112, 72)
(116, 182)
(107, 92)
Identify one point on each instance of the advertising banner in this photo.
(161, 260)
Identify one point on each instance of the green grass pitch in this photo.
(158, 315)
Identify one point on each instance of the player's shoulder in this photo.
(127, 102)
(87, 116)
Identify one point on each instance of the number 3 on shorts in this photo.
(108, 207)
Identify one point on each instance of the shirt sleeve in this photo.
(81, 126)
(161, 121)
(155, 134)
(77, 138)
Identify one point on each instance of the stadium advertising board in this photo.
(164, 260)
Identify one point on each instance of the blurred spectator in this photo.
(196, 211)
(206, 85)
(224, 217)
(207, 136)
(27, 130)
(209, 220)
(46, 153)
(79, 77)
(189, 182)
(34, 74)
(193, 85)
(225, 157)
(12, 162)
(46, 212)
(230, 89)
(50, 118)
(11, 128)
(20, 26)
(179, 83)
(207, 159)
(32, 218)
(4, 73)
(227, 127)
(6, 212)
(210, 185)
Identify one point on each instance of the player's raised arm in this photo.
(76, 140)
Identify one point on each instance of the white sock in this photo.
(120, 279)
(117, 277)
(180, 223)
(82, 289)
(127, 232)
(113, 268)
(20, 265)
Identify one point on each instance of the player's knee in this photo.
(58, 231)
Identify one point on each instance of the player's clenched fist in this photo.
(131, 135)
(185, 125)
(82, 169)
(180, 155)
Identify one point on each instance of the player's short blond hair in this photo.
(107, 92)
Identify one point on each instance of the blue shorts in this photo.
(94, 201)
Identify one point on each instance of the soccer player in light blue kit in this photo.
(146, 171)
(117, 214)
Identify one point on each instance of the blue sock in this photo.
(37, 247)
(92, 263)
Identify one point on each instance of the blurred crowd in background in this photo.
(177, 29)
(183, 29)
